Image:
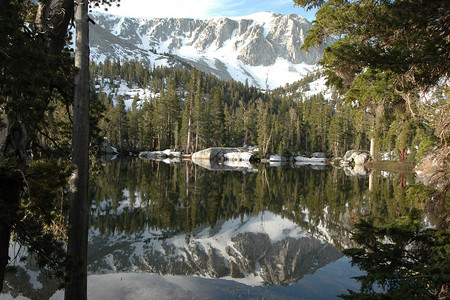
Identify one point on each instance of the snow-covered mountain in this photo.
(255, 250)
(263, 48)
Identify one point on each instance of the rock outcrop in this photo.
(215, 153)
(159, 154)
(358, 158)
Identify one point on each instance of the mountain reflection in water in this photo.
(250, 233)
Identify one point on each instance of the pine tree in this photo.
(134, 119)
(402, 41)
(120, 124)
(172, 110)
(217, 117)
(265, 128)
(199, 118)
(146, 126)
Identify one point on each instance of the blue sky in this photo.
(205, 8)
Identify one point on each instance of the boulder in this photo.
(358, 170)
(214, 153)
(211, 165)
(310, 160)
(109, 150)
(171, 153)
(348, 154)
(276, 158)
(239, 156)
(360, 157)
(357, 157)
(253, 149)
(159, 154)
(151, 154)
(319, 155)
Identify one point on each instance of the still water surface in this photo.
(164, 230)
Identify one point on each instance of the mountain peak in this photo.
(263, 48)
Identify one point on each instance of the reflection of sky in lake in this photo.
(325, 283)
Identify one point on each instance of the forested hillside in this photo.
(189, 110)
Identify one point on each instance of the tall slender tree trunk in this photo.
(196, 139)
(76, 285)
(188, 140)
(403, 154)
(189, 128)
(372, 147)
(371, 175)
(246, 136)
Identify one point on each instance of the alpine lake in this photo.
(173, 229)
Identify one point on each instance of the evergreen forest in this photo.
(187, 110)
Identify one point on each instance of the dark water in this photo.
(180, 230)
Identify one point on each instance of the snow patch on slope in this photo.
(230, 48)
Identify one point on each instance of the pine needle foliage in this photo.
(402, 260)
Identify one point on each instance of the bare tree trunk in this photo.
(188, 142)
(372, 147)
(267, 143)
(196, 140)
(76, 285)
(246, 137)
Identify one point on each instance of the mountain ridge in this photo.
(262, 48)
(255, 250)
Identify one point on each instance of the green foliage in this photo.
(188, 106)
(418, 194)
(28, 70)
(426, 145)
(42, 212)
(386, 34)
(401, 259)
(386, 55)
(188, 110)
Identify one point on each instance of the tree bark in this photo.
(52, 21)
(188, 142)
(372, 147)
(76, 285)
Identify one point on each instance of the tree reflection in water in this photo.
(184, 196)
(402, 260)
(148, 205)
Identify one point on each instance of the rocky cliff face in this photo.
(249, 47)
(244, 251)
